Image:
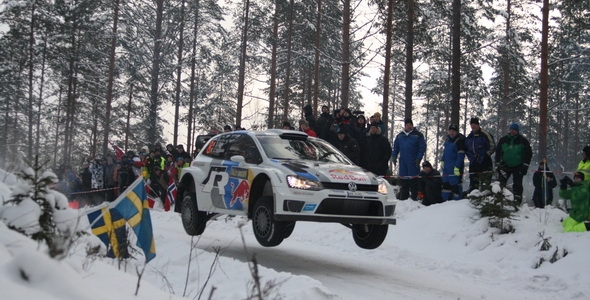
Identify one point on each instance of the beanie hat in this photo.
(514, 126)
(586, 150)
(426, 164)
(408, 120)
(474, 120)
(453, 127)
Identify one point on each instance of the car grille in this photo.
(344, 186)
(339, 206)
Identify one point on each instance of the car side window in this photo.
(218, 146)
(244, 145)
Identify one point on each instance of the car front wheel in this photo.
(193, 220)
(268, 232)
(369, 236)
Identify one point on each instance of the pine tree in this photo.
(497, 204)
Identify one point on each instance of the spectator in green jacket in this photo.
(584, 164)
(513, 156)
(578, 195)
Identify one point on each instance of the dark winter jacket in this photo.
(453, 157)
(323, 124)
(478, 146)
(410, 146)
(430, 186)
(360, 135)
(378, 153)
(350, 148)
(514, 151)
(544, 182)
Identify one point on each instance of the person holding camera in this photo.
(578, 194)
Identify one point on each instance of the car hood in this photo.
(330, 172)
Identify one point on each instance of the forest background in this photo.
(78, 75)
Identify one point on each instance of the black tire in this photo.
(193, 220)
(289, 229)
(268, 232)
(369, 236)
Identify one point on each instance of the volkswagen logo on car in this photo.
(352, 186)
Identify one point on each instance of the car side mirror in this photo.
(238, 158)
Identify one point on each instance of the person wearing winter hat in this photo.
(513, 156)
(544, 182)
(580, 208)
(452, 164)
(479, 147)
(348, 145)
(227, 128)
(429, 185)
(304, 126)
(584, 164)
(378, 151)
(410, 145)
(376, 119)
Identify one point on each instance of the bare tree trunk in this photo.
(505, 64)
(40, 100)
(57, 126)
(544, 83)
(194, 78)
(387, 70)
(242, 75)
(128, 119)
(288, 66)
(30, 83)
(154, 101)
(111, 79)
(409, 58)
(273, 68)
(178, 74)
(316, 76)
(345, 53)
(456, 68)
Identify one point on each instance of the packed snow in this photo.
(443, 251)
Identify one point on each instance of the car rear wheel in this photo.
(268, 232)
(369, 236)
(193, 220)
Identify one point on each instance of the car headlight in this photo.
(383, 188)
(298, 182)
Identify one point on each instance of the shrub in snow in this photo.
(497, 204)
(39, 212)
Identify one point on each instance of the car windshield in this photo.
(276, 147)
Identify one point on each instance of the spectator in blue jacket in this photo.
(452, 163)
(479, 147)
(410, 145)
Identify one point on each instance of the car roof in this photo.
(279, 132)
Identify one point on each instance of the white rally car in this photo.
(278, 177)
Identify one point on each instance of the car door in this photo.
(226, 186)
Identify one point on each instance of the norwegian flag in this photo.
(118, 151)
(150, 195)
(171, 194)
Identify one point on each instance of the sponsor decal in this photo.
(228, 185)
(346, 175)
(309, 207)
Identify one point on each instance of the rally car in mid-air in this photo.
(279, 177)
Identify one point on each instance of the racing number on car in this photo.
(217, 177)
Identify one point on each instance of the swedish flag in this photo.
(108, 223)
(133, 207)
(109, 226)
